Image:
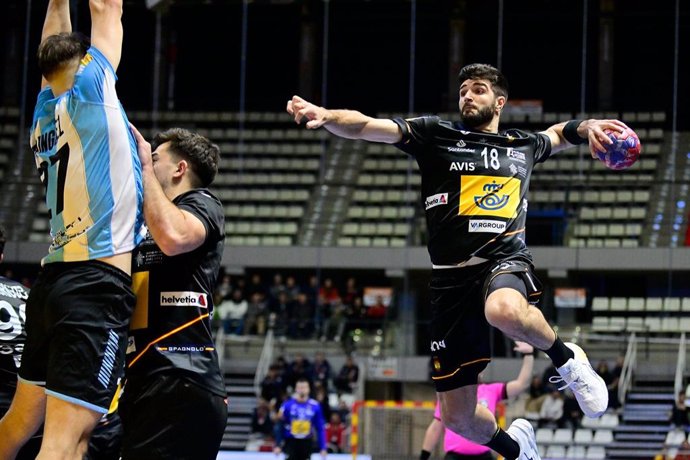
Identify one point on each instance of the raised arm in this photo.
(57, 21)
(568, 133)
(521, 383)
(349, 124)
(106, 29)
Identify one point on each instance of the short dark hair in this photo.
(3, 240)
(202, 154)
(57, 50)
(498, 81)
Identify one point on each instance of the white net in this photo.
(390, 430)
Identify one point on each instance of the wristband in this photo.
(570, 133)
(424, 455)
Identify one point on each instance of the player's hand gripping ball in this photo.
(624, 151)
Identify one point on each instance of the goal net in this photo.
(390, 430)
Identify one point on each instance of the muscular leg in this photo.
(67, 430)
(507, 310)
(23, 418)
(461, 414)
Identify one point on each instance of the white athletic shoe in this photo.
(589, 389)
(522, 432)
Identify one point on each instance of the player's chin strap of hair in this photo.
(571, 135)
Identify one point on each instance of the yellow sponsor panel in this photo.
(489, 196)
(300, 427)
(140, 286)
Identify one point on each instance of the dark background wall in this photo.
(368, 52)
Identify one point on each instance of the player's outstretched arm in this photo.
(106, 29)
(57, 21)
(349, 124)
(433, 434)
(569, 133)
(521, 383)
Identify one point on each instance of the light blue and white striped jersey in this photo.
(88, 162)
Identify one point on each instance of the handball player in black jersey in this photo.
(174, 402)
(13, 297)
(474, 184)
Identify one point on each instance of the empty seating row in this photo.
(271, 148)
(587, 436)
(254, 240)
(399, 164)
(654, 304)
(393, 180)
(640, 324)
(264, 179)
(267, 211)
(261, 228)
(365, 241)
(380, 212)
(385, 196)
(603, 230)
(383, 229)
(269, 164)
(554, 452)
(262, 194)
(613, 213)
(603, 243)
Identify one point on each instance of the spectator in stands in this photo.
(489, 395)
(291, 288)
(376, 313)
(335, 433)
(257, 315)
(352, 291)
(273, 385)
(224, 289)
(551, 410)
(261, 419)
(347, 378)
(299, 369)
(679, 413)
(335, 325)
(321, 370)
(321, 396)
(232, 312)
(277, 288)
(604, 372)
(281, 310)
(302, 319)
(255, 285)
(483, 274)
(328, 295)
(572, 414)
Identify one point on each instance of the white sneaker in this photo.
(522, 432)
(589, 389)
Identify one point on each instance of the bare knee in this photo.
(459, 421)
(503, 312)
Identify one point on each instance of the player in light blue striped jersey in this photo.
(78, 312)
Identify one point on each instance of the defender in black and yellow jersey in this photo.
(474, 184)
(174, 401)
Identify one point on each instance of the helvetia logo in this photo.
(435, 200)
(183, 299)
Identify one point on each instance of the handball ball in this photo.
(624, 151)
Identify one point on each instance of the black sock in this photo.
(502, 443)
(559, 353)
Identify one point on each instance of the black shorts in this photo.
(77, 318)
(298, 449)
(169, 417)
(460, 339)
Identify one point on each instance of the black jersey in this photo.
(13, 297)
(474, 187)
(170, 330)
